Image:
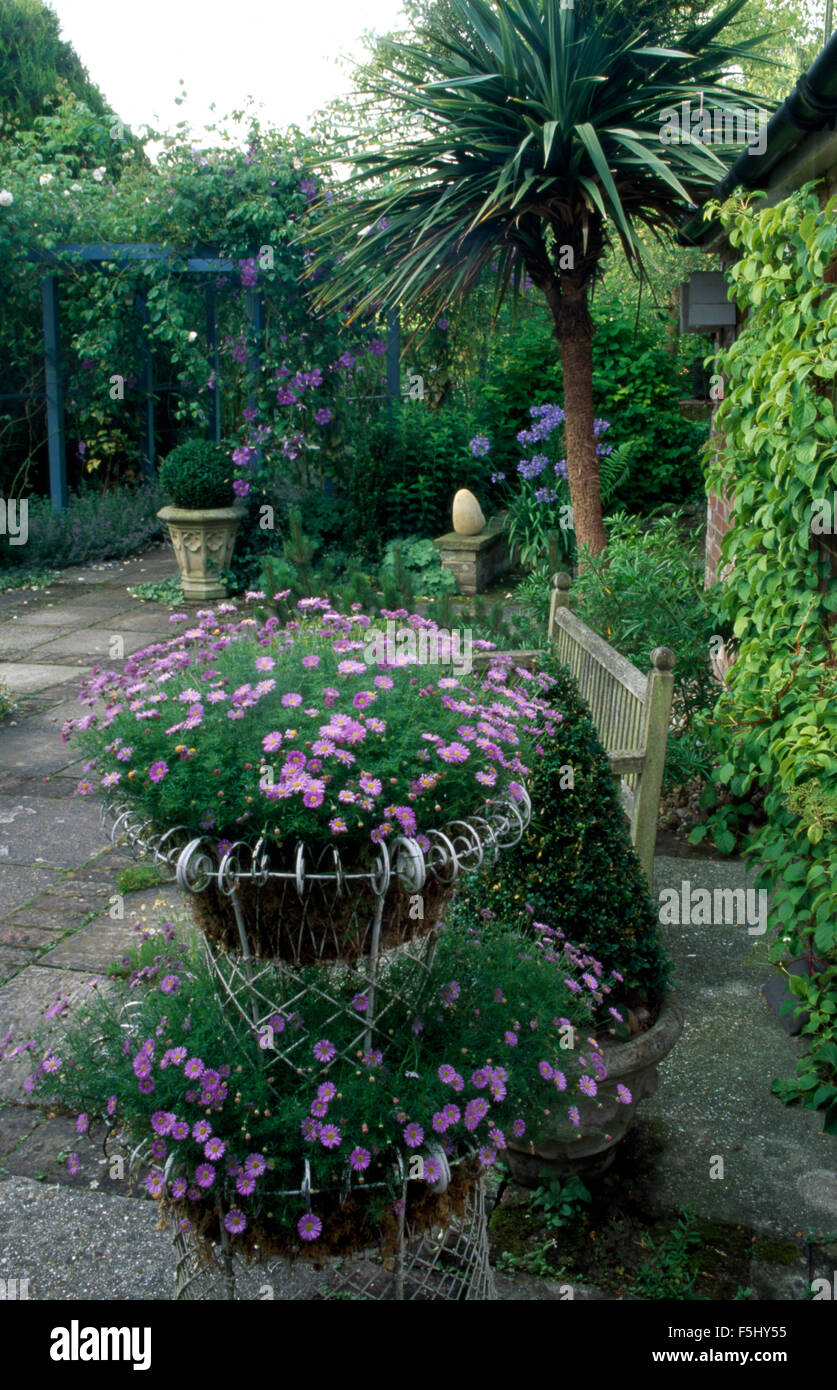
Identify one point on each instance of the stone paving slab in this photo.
(23, 1003)
(76, 615)
(714, 1095)
(23, 676)
(93, 642)
(18, 885)
(53, 833)
(19, 638)
(33, 746)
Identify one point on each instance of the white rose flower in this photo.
(99, 173)
(76, 187)
(44, 179)
(6, 198)
(191, 335)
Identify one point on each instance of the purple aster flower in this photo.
(169, 984)
(178, 1188)
(215, 1148)
(193, 1068)
(82, 1124)
(330, 1136)
(235, 1221)
(560, 1081)
(575, 1118)
(324, 1050)
(204, 1175)
(157, 771)
(623, 1094)
(546, 1071)
(73, 1164)
(359, 1159)
(309, 1226)
(155, 1184)
(475, 1111)
(413, 1135)
(519, 1129)
(255, 1164)
(588, 1086)
(201, 1131)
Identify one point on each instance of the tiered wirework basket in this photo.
(371, 935)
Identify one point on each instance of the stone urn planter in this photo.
(203, 544)
(605, 1120)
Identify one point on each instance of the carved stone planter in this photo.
(604, 1119)
(203, 545)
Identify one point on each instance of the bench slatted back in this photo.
(630, 711)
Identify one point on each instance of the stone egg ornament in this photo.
(468, 519)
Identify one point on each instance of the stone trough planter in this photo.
(604, 1119)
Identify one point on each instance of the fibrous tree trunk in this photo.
(566, 294)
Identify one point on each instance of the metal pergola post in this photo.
(56, 435)
(123, 254)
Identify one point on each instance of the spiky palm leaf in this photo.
(540, 136)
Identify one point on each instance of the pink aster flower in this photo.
(157, 771)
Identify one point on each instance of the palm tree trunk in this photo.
(574, 333)
(566, 295)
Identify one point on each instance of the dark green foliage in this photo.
(647, 591)
(401, 477)
(575, 868)
(637, 385)
(36, 61)
(197, 475)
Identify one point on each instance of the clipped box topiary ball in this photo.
(197, 476)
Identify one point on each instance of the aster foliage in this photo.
(495, 1035)
(313, 730)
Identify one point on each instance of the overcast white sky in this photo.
(283, 53)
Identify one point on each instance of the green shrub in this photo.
(637, 385)
(196, 475)
(415, 566)
(400, 475)
(575, 868)
(647, 591)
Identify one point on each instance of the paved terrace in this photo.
(86, 1236)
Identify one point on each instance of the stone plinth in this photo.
(475, 561)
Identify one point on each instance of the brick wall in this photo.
(718, 518)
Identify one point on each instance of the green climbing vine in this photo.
(776, 721)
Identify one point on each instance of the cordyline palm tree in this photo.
(531, 134)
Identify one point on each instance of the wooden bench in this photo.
(631, 711)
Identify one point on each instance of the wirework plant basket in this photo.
(350, 948)
(446, 1262)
